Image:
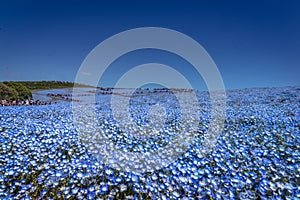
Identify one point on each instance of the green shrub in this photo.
(23, 92)
(7, 92)
(10, 90)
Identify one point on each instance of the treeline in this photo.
(14, 91)
(21, 90)
(46, 85)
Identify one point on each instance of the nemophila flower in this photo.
(257, 154)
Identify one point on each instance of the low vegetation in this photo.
(22, 90)
(45, 85)
(7, 92)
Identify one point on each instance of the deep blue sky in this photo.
(253, 43)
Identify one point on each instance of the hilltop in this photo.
(20, 90)
(46, 85)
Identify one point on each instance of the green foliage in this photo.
(23, 92)
(45, 85)
(7, 92)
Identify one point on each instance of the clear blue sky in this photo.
(253, 43)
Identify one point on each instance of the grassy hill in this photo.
(7, 92)
(21, 90)
(45, 85)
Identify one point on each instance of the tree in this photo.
(7, 92)
(23, 92)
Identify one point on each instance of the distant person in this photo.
(4, 102)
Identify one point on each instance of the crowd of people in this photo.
(63, 97)
(26, 102)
